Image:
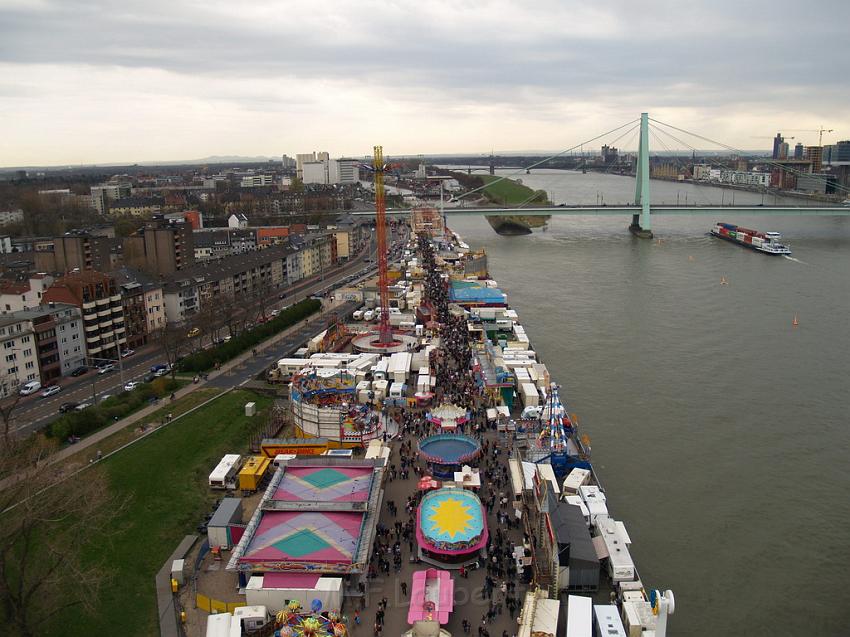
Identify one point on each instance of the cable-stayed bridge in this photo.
(642, 210)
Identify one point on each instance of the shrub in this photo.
(80, 423)
(206, 359)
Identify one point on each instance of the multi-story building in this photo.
(161, 247)
(154, 309)
(256, 181)
(815, 155)
(18, 356)
(136, 206)
(262, 271)
(99, 299)
(23, 294)
(82, 251)
(42, 343)
(11, 216)
(103, 194)
(141, 299)
(331, 171)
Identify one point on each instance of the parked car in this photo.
(127, 352)
(29, 388)
(82, 369)
(159, 366)
(149, 377)
(66, 407)
(131, 385)
(50, 391)
(82, 405)
(105, 369)
(195, 331)
(162, 371)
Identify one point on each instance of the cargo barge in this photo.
(766, 242)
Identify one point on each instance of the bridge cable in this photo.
(559, 176)
(543, 161)
(741, 152)
(655, 132)
(716, 164)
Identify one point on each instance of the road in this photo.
(34, 412)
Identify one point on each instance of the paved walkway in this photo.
(470, 601)
(314, 323)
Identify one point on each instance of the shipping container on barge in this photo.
(767, 242)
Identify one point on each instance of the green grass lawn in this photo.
(509, 192)
(164, 480)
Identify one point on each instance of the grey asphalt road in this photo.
(34, 412)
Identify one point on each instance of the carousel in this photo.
(294, 621)
(451, 527)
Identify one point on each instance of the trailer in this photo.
(225, 472)
(253, 472)
(579, 616)
(576, 479)
(612, 543)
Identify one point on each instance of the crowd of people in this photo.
(500, 576)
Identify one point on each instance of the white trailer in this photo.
(608, 623)
(225, 472)
(379, 371)
(218, 625)
(529, 395)
(613, 542)
(579, 616)
(595, 501)
(577, 478)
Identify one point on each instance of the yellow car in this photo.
(193, 332)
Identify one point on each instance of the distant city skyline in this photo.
(85, 83)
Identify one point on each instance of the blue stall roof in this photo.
(464, 292)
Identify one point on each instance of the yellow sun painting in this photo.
(451, 516)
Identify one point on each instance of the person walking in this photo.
(403, 586)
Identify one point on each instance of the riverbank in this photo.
(511, 192)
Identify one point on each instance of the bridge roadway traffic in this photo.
(34, 412)
(632, 209)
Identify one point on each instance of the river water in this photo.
(719, 430)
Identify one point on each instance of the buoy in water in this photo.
(690, 257)
(723, 281)
(795, 322)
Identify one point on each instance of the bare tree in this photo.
(46, 527)
(11, 397)
(174, 343)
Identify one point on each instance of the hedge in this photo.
(80, 423)
(206, 359)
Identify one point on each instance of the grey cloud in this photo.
(724, 51)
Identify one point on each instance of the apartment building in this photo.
(264, 271)
(102, 195)
(43, 344)
(161, 247)
(99, 299)
(23, 293)
(18, 357)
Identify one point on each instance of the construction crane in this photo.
(820, 131)
(385, 333)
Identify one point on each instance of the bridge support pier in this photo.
(641, 225)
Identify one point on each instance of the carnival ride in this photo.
(447, 453)
(294, 621)
(558, 443)
(451, 526)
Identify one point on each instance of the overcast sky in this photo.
(109, 81)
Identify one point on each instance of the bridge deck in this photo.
(803, 211)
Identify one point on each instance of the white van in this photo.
(30, 388)
(368, 315)
(358, 315)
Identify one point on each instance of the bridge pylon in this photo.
(641, 224)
